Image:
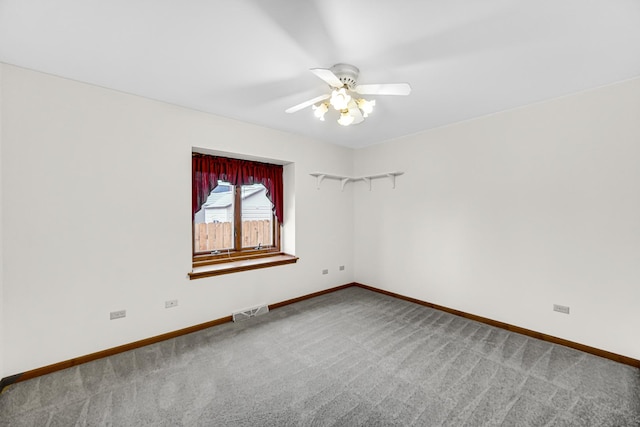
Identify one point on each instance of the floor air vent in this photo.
(250, 312)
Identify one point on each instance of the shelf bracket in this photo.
(392, 177)
(344, 182)
(368, 181)
(319, 179)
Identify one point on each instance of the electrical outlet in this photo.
(561, 308)
(325, 271)
(170, 304)
(117, 314)
(341, 268)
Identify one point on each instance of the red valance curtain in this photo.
(208, 170)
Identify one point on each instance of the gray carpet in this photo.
(348, 358)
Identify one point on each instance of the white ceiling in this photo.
(249, 59)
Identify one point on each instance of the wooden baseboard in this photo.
(7, 381)
(544, 337)
(108, 352)
(313, 295)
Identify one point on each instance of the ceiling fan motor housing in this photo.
(348, 74)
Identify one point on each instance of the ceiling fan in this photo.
(343, 79)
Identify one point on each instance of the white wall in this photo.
(73, 147)
(506, 215)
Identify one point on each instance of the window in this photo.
(234, 218)
(237, 208)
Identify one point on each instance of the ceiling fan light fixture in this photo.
(320, 110)
(365, 106)
(340, 99)
(345, 118)
(343, 81)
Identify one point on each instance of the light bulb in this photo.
(320, 110)
(345, 118)
(366, 106)
(339, 99)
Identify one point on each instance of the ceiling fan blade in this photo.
(355, 112)
(328, 76)
(307, 103)
(384, 89)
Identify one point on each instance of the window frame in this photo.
(239, 259)
(238, 251)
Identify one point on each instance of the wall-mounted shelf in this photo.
(345, 179)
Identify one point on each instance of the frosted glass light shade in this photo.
(339, 99)
(345, 118)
